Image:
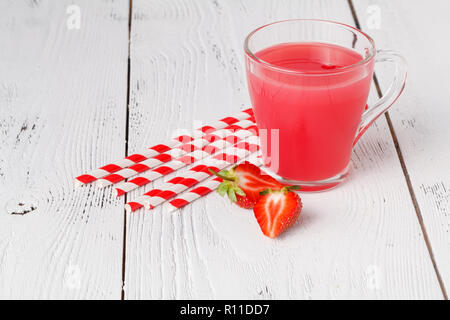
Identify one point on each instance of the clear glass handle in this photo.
(391, 95)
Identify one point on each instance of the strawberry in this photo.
(277, 210)
(244, 202)
(244, 182)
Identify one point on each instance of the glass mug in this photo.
(309, 81)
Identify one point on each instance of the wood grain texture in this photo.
(361, 240)
(62, 111)
(418, 30)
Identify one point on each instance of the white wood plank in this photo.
(361, 240)
(418, 30)
(62, 111)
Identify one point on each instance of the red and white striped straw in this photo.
(229, 157)
(231, 138)
(199, 191)
(196, 174)
(194, 194)
(159, 148)
(177, 154)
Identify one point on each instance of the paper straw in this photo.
(159, 148)
(168, 191)
(180, 153)
(194, 194)
(199, 191)
(196, 174)
(230, 139)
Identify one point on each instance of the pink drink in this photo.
(305, 91)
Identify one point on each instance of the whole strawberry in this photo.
(244, 182)
(277, 210)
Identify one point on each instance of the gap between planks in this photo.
(391, 129)
(404, 169)
(127, 118)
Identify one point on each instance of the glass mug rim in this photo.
(366, 60)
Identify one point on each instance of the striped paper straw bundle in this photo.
(139, 203)
(228, 140)
(231, 155)
(220, 162)
(159, 148)
(201, 190)
(186, 154)
(194, 194)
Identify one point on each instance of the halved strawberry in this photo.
(277, 210)
(244, 182)
(244, 202)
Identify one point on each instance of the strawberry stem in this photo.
(220, 175)
(285, 189)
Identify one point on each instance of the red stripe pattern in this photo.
(159, 148)
(194, 194)
(201, 190)
(198, 173)
(182, 153)
(226, 138)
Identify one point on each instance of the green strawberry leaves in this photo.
(240, 192)
(231, 189)
(264, 192)
(222, 189)
(228, 186)
(284, 190)
(232, 195)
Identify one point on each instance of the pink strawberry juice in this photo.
(309, 92)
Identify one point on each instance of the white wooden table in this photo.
(75, 94)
